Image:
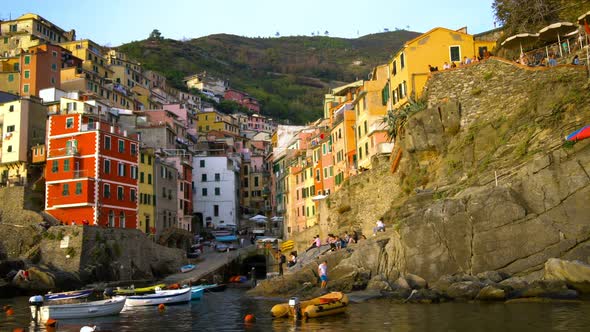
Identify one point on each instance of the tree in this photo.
(155, 35)
(277, 34)
(326, 33)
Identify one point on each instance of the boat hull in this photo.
(136, 291)
(187, 268)
(160, 297)
(69, 295)
(197, 293)
(329, 304)
(81, 310)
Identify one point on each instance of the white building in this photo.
(216, 188)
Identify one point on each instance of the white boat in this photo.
(187, 268)
(108, 307)
(161, 297)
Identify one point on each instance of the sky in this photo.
(114, 22)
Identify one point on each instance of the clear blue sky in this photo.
(113, 22)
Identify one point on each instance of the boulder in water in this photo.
(416, 282)
(491, 293)
(575, 273)
(464, 290)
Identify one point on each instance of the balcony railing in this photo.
(61, 152)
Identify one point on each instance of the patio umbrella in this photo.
(552, 32)
(520, 39)
(258, 218)
(585, 20)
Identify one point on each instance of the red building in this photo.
(243, 99)
(91, 172)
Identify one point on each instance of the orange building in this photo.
(41, 66)
(91, 172)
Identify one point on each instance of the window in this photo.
(120, 193)
(69, 123)
(10, 129)
(255, 181)
(26, 88)
(217, 191)
(149, 160)
(325, 172)
(133, 149)
(455, 53)
(245, 169)
(216, 210)
(324, 149)
(54, 66)
(163, 192)
(27, 59)
(331, 171)
(402, 61)
(202, 163)
(107, 142)
(66, 165)
(121, 146)
(141, 177)
(132, 195)
(54, 166)
(203, 177)
(246, 183)
(133, 172)
(367, 149)
(149, 179)
(122, 219)
(142, 156)
(27, 73)
(107, 166)
(217, 177)
(366, 127)
(121, 169)
(65, 190)
(394, 70)
(10, 77)
(204, 191)
(78, 188)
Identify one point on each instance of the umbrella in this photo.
(552, 32)
(275, 218)
(520, 39)
(258, 218)
(579, 134)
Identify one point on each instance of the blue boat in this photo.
(187, 268)
(80, 294)
(197, 292)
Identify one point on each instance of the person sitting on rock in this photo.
(379, 228)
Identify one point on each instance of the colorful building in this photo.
(409, 66)
(92, 170)
(147, 196)
(30, 30)
(166, 196)
(344, 143)
(370, 108)
(217, 121)
(243, 99)
(23, 122)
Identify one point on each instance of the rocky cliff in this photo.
(485, 181)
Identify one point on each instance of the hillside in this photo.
(289, 75)
(485, 182)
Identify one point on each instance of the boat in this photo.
(329, 304)
(213, 287)
(137, 291)
(187, 268)
(79, 294)
(197, 292)
(160, 297)
(41, 312)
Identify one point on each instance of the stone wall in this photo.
(12, 207)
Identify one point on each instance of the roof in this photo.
(411, 41)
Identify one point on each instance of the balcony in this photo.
(63, 152)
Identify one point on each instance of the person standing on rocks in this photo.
(282, 260)
(323, 272)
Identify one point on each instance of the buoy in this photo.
(249, 318)
(51, 322)
(161, 307)
(9, 312)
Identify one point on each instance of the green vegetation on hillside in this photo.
(288, 75)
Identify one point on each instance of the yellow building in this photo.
(370, 109)
(126, 71)
(409, 66)
(30, 30)
(147, 198)
(10, 75)
(92, 55)
(22, 122)
(214, 120)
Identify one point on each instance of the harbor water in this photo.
(225, 311)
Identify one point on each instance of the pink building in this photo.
(243, 99)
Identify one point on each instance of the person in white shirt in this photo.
(323, 273)
(379, 228)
